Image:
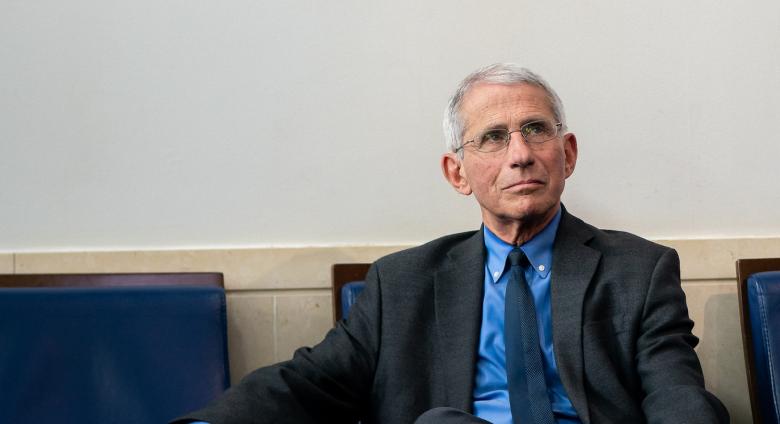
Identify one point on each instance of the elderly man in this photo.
(537, 317)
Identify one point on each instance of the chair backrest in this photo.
(119, 352)
(210, 279)
(342, 275)
(759, 292)
(349, 295)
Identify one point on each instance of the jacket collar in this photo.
(458, 303)
(574, 264)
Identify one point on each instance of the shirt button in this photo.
(541, 268)
(496, 274)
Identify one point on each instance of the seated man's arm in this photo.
(667, 364)
(333, 379)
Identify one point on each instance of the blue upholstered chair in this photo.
(124, 353)
(347, 284)
(349, 294)
(759, 290)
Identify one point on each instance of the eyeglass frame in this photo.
(558, 127)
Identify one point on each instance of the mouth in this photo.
(524, 185)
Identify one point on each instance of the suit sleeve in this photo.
(668, 366)
(331, 380)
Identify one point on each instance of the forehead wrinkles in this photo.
(488, 104)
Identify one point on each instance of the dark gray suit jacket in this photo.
(621, 332)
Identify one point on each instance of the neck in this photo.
(518, 231)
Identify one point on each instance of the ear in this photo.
(452, 166)
(570, 150)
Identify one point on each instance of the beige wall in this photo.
(6, 263)
(127, 125)
(279, 299)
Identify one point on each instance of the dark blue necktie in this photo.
(524, 371)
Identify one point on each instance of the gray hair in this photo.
(497, 73)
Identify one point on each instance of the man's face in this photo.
(520, 184)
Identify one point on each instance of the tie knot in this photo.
(517, 257)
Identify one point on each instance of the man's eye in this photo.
(536, 129)
(494, 137)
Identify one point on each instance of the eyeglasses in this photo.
(534, 133)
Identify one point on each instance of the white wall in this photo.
(202, 123)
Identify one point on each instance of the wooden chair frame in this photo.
(211, 279)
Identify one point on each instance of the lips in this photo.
(524, 184)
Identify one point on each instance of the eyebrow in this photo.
(526, 120)
(533, 118)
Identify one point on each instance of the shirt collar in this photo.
(538, 250)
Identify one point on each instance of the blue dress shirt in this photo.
(491, 395)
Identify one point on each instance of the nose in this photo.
(518, 152)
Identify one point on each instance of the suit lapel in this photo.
(458, 302)
(574, 264)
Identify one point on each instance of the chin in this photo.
(533, 213)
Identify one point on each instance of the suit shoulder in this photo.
(612, 240)
(428, 255)
(626, 244)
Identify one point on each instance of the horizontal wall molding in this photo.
(244, 269)
(309, 267)
(713, 259)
